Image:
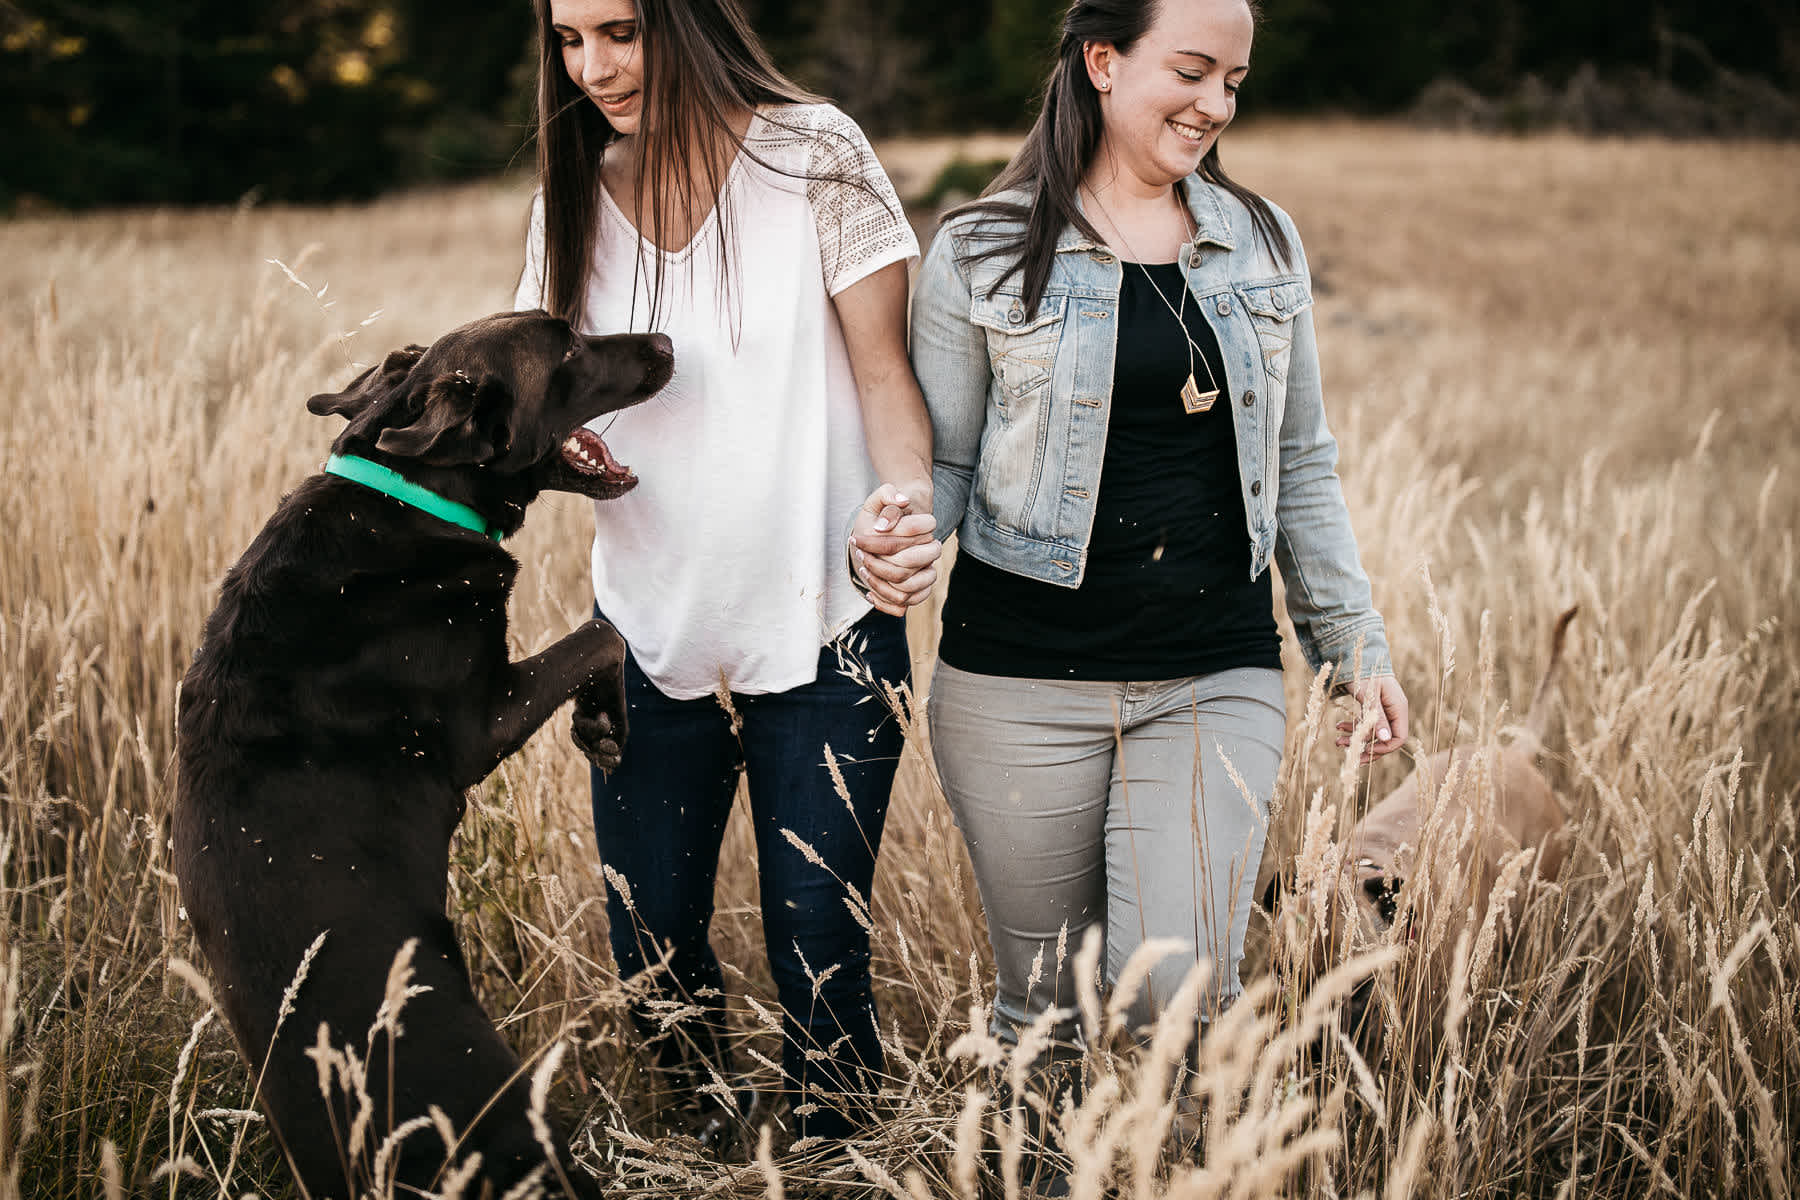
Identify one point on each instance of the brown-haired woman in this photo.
(1116, 347)
(688, 187)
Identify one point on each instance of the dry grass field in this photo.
(1561, 371)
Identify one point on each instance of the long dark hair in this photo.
(702, 63)
(1064, 140)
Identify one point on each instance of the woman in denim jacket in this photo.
(1116, 348)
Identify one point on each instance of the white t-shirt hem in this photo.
(768, 687)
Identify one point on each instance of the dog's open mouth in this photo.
(586, 452)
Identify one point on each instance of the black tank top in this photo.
(1167, 591)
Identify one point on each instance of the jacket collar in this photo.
(1212, 225)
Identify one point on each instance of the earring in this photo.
(1104, 85)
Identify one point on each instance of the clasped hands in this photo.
(894, 549)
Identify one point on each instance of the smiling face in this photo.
(602, 50)
(1164, 104)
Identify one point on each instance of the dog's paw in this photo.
(599, 736)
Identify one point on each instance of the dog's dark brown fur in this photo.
(351, 684)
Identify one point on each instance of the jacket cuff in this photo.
(1355, 652)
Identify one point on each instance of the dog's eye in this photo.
(572, 351)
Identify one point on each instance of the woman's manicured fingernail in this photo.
(1384, 734)
(881, 524)
(899, 499)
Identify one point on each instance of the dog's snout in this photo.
(657, 353)
(653, 351)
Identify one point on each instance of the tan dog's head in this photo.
(1447, 834)
(1468, 829)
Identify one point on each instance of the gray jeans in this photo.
(1110, 804)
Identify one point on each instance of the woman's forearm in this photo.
(899, 435)
(896, 426)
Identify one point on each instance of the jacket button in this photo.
(1015, 314)
(1194, 259)
(1249, 399)
(1103, 258)
(1224, 308)
(1256, 488)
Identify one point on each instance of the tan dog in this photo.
(1518, 811)
(1456, 825)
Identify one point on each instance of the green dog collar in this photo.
(390, 482)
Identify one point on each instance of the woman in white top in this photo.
(687, 187)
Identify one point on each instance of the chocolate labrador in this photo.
(353, 681)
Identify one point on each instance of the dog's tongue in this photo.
(587, 453)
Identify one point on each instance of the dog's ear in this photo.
(451, 425)
(374, 384)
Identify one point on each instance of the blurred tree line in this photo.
(135, 101)
(177, 101)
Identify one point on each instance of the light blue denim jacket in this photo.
(1019, 412)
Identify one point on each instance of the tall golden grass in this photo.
(1561, 371)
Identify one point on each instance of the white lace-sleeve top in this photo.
(725, 566)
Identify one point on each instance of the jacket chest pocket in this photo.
(1272, 309)
(1021, 346)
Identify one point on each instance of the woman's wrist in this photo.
(917, 492)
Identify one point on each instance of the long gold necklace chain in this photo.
(1193, 400)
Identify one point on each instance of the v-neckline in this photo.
(706, 224)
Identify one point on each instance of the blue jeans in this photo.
(660, 820)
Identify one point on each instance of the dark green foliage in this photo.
(1376, 57)
(1021, 43)
(210, 101)
(961, 178)
(213, 101)
(1313, 53)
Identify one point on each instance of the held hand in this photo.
(1383, 693)
(892, 551)
(890, 520)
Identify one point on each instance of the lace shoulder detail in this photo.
(861, 224)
